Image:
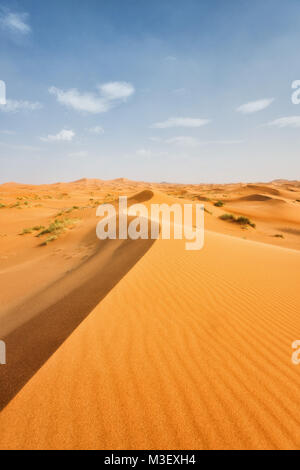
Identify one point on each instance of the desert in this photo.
(150, 228)
(140, 344)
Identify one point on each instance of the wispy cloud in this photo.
(179, 91)
(170, 58)
(96, 130)
(21, 147)
(181, 122)
(14, 106)
(7, 132)
(64, 135)
(223, 142)
(109, 95)
(183, 140)
(16, 23)
(288, 121)
(87, 102)
(254, 106)
(116, 90)
(144, 152)
(187, 141)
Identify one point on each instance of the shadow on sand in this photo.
(72, 298)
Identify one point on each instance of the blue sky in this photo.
(168, 90)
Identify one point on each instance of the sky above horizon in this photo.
(169, 90)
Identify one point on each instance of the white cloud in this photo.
(96, 130)
(109, 95)
(14, 106)
(116, 90)
(222, 142)
(179, 91)
(186, 141)
(64, 135)
(87, 102)
(14, 22)
(254, 106)
(181, 122)
(288, 121)
(170, 58)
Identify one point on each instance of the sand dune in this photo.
(144, 345)
(264, 189)
(256, 197)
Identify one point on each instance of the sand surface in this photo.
(141, 344)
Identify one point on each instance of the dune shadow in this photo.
(292, 231)
(30, 345)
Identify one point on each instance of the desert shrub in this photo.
(49, 240)
(58, 226)
(278, 235)
(26, 231)
(238, 220)
(2, 205)
(244, 221)
(227, 217)
(219, 204)
(207, 211)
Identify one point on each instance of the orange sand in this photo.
(144, 345)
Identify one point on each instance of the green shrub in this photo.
(49, 240)
(219, 204)
(237, 220)
(244, 221)
(227, 217)
(26, 231)
(58, 226)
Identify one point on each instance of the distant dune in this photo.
(125, 344)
